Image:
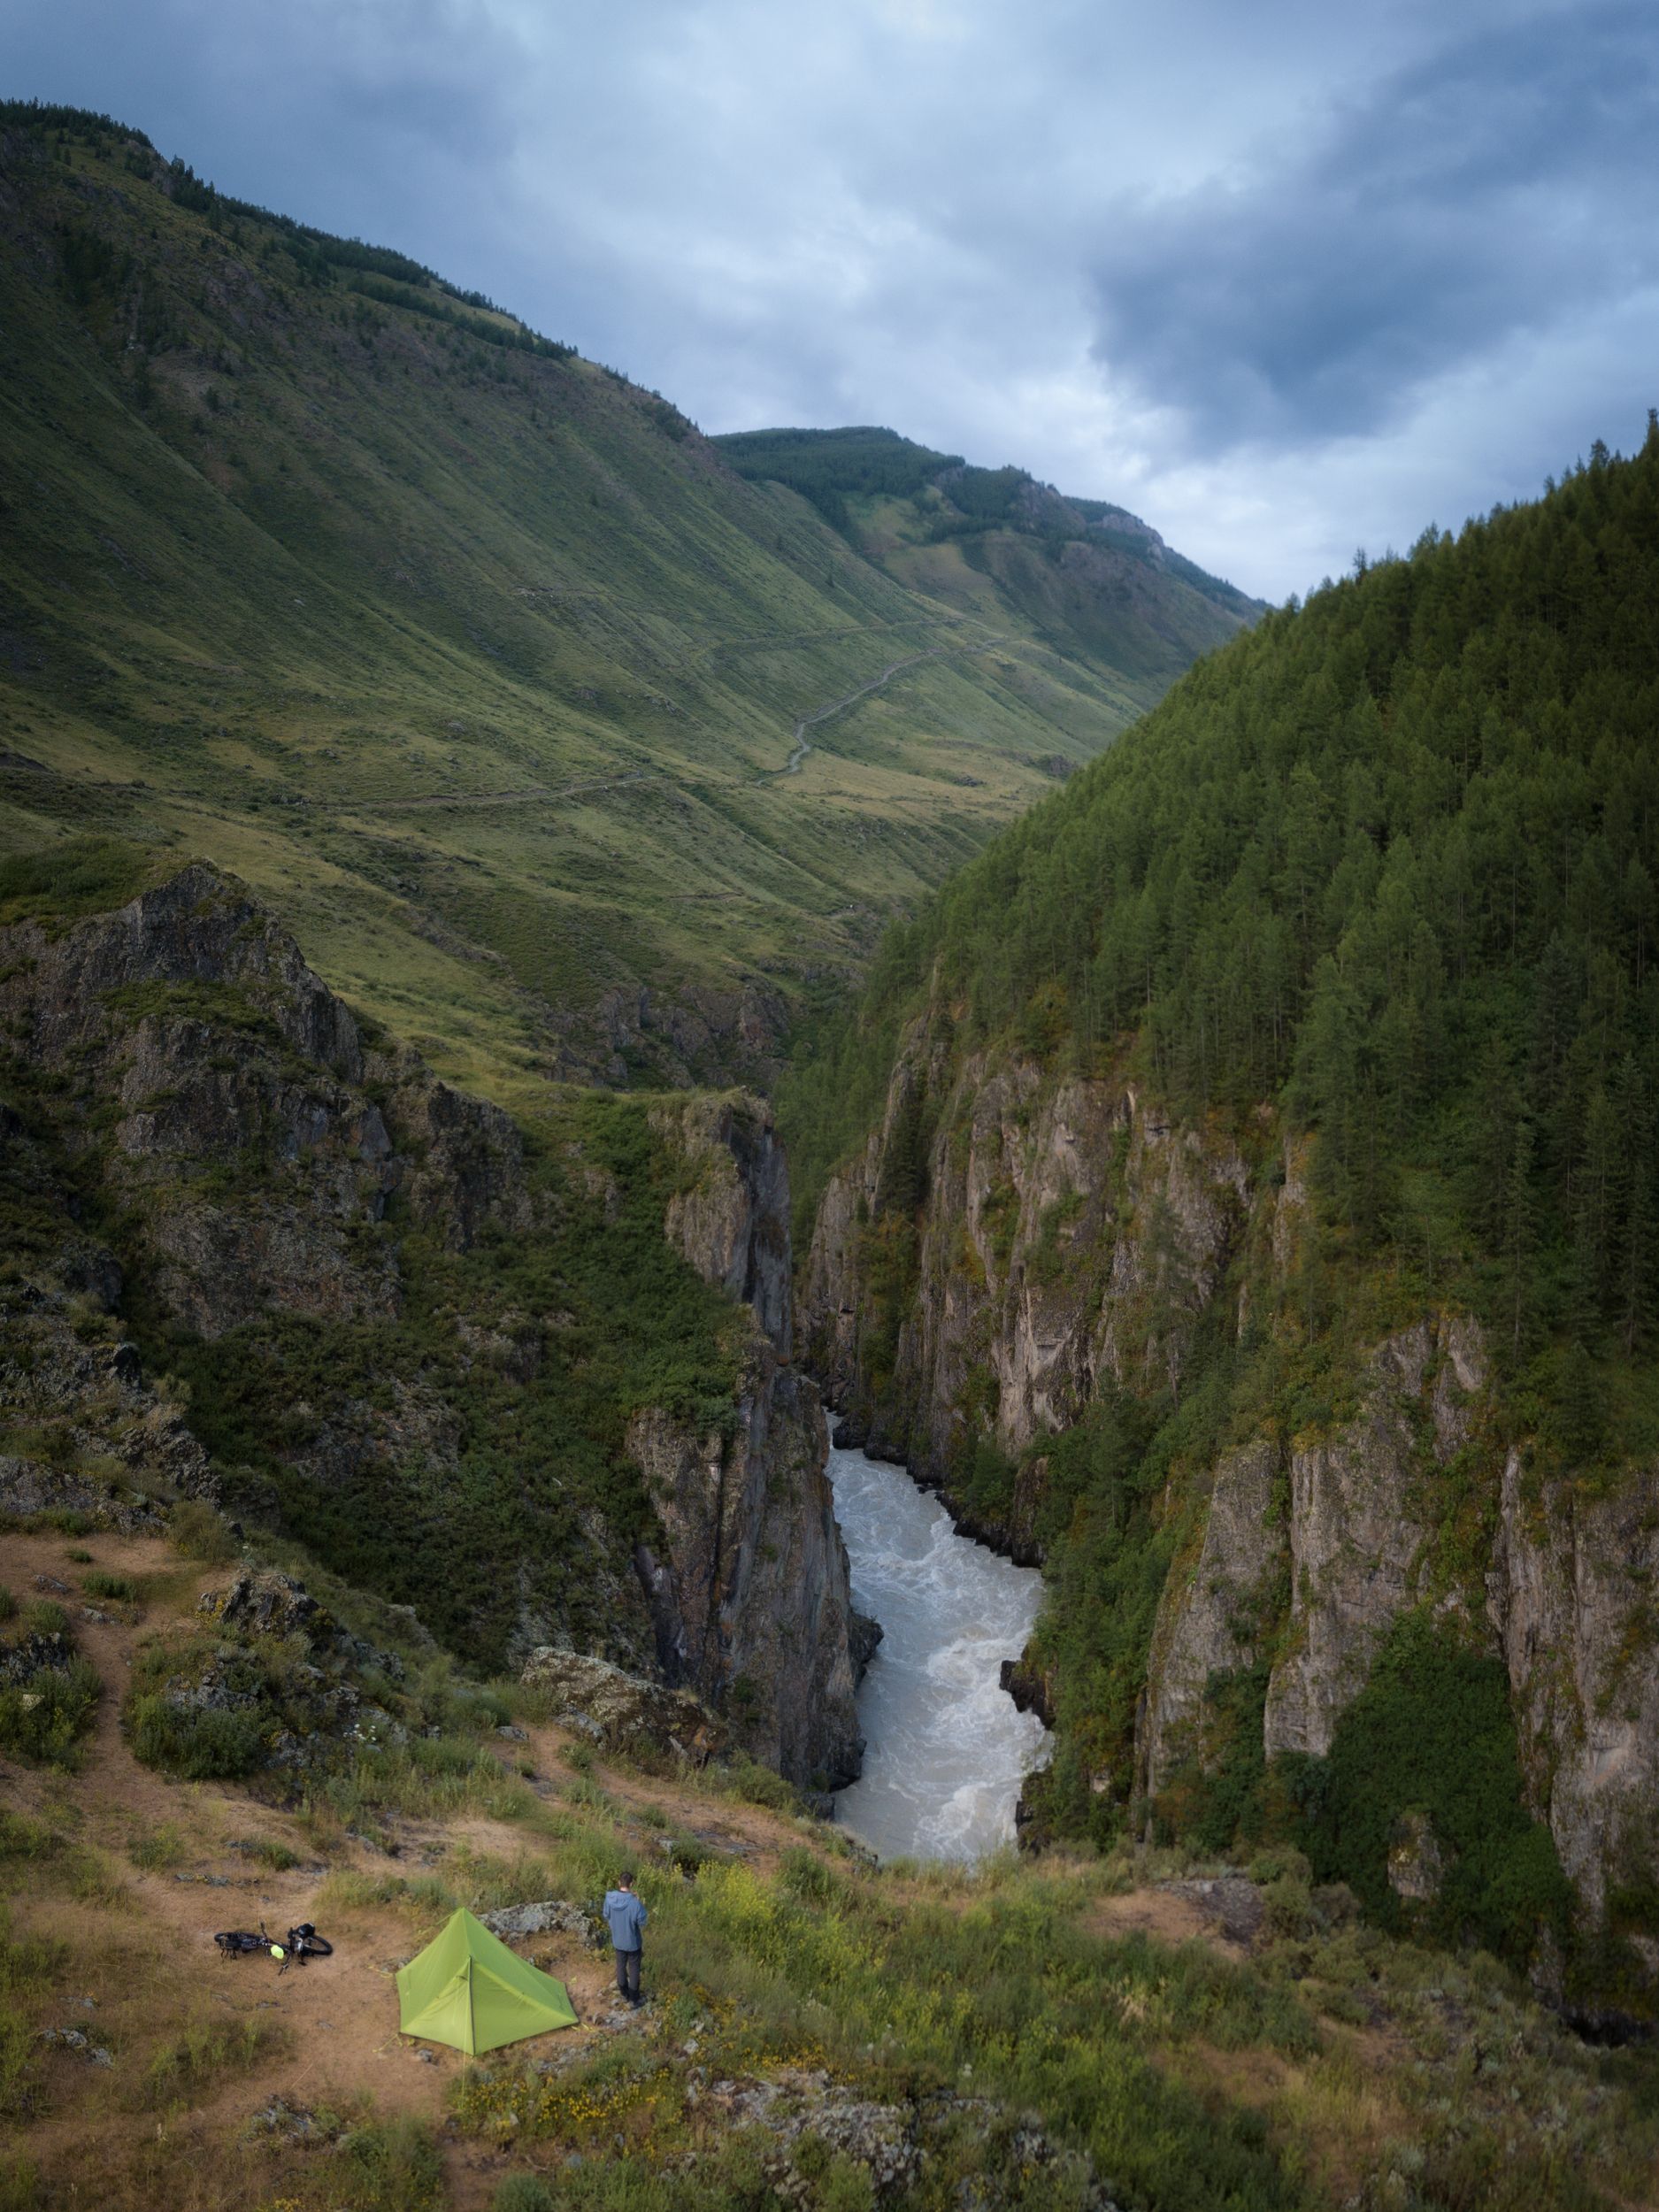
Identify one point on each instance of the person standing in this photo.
(626, 1917)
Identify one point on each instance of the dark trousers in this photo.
(628, 1973)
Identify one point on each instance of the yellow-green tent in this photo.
(467, 1988)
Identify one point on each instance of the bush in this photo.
(389, 2166)
(156, 1849)
(8, 1604)
(194, 1744)
(198, 1532)
(182, 2071)
(100, 1585)
(40, 1719)
(756, 1784)
(1432, 1733)
(522, 2192)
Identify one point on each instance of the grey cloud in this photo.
(1503, 185)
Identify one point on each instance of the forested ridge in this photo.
(1388, 860)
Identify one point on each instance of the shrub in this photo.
(8, 1604)
(100, 1585)
(270, 1851)
(389, 2166)
(40, 1719)
(195, 1744)
(182, 2071)
(522, 2192)
(756, 1784)
(1432, 1733)
(195, 1530)
(154, 1849)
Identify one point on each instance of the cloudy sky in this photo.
(1286, 279)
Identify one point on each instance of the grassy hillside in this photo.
(1090, 578)
(476, 660)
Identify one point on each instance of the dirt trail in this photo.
(802, 745)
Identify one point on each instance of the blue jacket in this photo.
(626, 1915)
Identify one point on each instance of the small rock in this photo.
(513, 1734)
(51, 1584)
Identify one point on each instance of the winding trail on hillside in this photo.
(802, 744)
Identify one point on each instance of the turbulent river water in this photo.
(947, 1749)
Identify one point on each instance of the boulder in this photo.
(621, 1711)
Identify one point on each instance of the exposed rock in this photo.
(880, 2138)
(1416, 1863)
(1356, 1537)
(620, 1710)
(41, 1651)
(1570, 1595)
(864, 1636)
(1207, 1623)
(1232, 1901)
(1057, 1237)
(749, 1592)
(731, 1217)
(528, 1920)
(1071, 1235)
(231, 1110)
(265, 1603)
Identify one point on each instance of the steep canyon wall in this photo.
(1016, 1255)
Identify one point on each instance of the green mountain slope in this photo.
(474, 659)
(1089, 578)
(1238, 1188)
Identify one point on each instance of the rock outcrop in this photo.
(623, 1712)
(1570, 1595)
(730, 1217)
(317, 1204)
(748, 1586)
(1072, 1235)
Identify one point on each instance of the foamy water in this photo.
(946, 1748)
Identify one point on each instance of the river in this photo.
(946, 1748)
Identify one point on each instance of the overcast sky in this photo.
(1285, 279)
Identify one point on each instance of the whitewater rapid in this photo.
(947, 1750)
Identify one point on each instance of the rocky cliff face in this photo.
(375, 1292)
(1069, 1233)
(748, 1585)
(1009, 1249)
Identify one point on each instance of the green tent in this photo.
(467, 1988)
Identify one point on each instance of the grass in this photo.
(157, 1850)
(203, 2055)
(1338, 2058)
(100, 1585)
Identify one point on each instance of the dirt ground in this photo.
(152, 1931)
